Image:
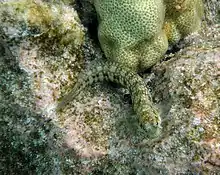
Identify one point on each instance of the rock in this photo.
(43, 46)
(41, 55)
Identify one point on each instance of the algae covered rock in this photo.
(40, 51)
(40, 59)
(46, 40)
(186, 90)
(187, 87)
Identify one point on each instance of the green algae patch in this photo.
(39, 18)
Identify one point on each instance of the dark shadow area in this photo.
(88, 17)
(174, 48)
(6, 56)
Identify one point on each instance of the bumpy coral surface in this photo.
(130, 32)
(136, 33)
(182, 18)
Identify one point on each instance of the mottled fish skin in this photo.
(114, 72)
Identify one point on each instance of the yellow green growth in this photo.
(136, 33)
(182, 18)
(47, 19)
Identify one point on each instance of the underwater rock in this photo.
(41, 57)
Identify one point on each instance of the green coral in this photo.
(129, 31)
(136, 33)
(182, 18)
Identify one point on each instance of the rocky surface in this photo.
(40, 58)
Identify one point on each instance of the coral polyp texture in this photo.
(136, 33)
(182, 18)
(128, 30)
